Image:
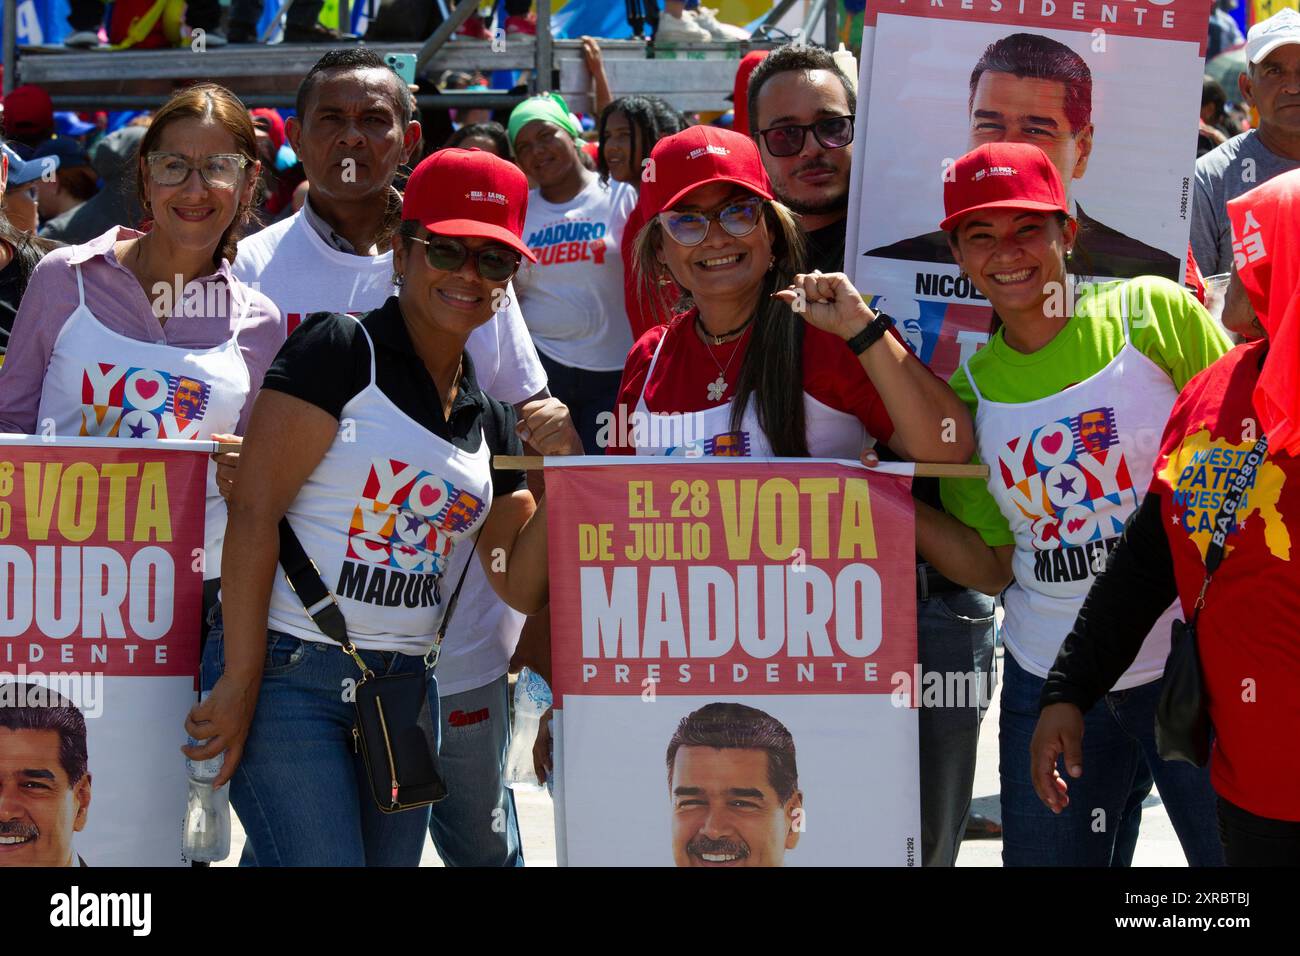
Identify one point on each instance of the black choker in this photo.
(717, 339)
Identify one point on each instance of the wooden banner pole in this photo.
(923, 469)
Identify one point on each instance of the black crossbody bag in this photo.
(394, 730)
(1183, 728)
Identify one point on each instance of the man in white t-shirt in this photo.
(352, 130)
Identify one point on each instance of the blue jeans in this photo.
(954, 635)
(301, 793)
(476, 824)
(1120, 762)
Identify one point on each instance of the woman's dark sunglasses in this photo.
(836, 132)
(496, 264)
(739, 219)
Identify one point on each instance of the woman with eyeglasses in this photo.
(768, 360)
(373, 439)
(147, 334)
(572, 295)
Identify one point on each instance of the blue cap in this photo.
(69, 151)
(70, 124)
(22, 172)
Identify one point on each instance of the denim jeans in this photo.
(1120, 762)
(954, 635)
(476, 824)
(301, 793)
(586, 393)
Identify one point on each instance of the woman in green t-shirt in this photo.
(1070, 399)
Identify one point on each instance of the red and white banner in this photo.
(100, 596)
(732, 648)
(1106, 88)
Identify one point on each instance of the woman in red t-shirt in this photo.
(768, 361)
(1248, 624)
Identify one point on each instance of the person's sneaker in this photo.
(82, 39)
(474, 28)
(521, 26)
(241, 32)
(212, 38)
(707, 19)
(316, 33)
(680, 30)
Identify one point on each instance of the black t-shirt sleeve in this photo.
(1122, 606)
(326, 362)
(499, 430)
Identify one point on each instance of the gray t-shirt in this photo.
(1224, 173)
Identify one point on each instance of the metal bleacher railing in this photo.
(268, 74)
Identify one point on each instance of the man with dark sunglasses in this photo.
(801, 108)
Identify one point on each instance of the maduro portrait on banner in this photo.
(729, 641)
(100, 594)
(1103, 88)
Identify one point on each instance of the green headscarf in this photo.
(549, 107)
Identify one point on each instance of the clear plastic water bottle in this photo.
(532, 700)
(207, 811)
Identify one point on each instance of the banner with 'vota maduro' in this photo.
(1101, 86)
(731, 649)
(100, 595)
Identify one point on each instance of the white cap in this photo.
(1266, 36)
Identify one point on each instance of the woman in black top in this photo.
(372, 438)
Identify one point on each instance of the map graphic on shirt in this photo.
(120, 401)
(400, 536)
(1070, 481)
(1199, 472)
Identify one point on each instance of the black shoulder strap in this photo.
(304, 577)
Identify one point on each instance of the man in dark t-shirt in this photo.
(801, 108)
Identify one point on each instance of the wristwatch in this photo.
(872, 334)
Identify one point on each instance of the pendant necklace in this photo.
(719, 385)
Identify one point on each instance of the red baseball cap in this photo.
(1002, 176)
(28, 111)
(469, 192)
(697, 156)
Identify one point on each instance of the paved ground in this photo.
(1158, 846)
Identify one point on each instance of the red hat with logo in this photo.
(28, 111)
(1001, 176)
(697, 156)
(469, 192)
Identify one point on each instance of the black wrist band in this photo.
(872, 334)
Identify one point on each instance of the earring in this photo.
(504, 304)
(771, 263)
(398, 279)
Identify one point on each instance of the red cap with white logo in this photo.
(695, 157)
(1001, 176)
(469, 192)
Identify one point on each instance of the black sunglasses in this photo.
(494, 263)
(834, 132)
